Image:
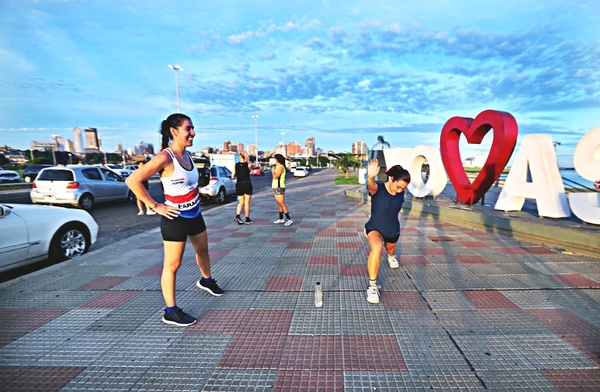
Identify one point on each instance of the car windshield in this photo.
(55, 175)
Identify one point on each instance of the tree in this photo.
(347, 161)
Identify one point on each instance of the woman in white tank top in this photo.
(181, 212)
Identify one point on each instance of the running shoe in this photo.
(279, 221)
(179, 318)
(373, 294)
(150, 212)
(392, 262)
(211, 287)
(249, 221)
(141, 213)
(288, 222)
(238, 221)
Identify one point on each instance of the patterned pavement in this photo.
(468, 310)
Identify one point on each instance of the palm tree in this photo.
(346, 161)
(381, 142)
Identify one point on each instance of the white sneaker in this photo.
(373, 294)
(392, 262)
(288, 222)
(279, 221)
(150, 212)
(141, 213)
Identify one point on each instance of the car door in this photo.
(14, 238)
(225, 173)
(115, 186)
(95, 182)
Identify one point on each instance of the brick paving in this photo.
(468, 310)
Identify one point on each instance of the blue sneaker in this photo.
(211, 287)
(179, 318)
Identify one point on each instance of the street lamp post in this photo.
(176, 68)
(255, 117)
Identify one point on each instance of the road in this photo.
(117, 221)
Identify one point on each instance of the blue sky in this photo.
(340, 71)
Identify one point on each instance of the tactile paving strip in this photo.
(37, 378)
(523, 380)
(105, 378)
(240, 380)
(411, 381)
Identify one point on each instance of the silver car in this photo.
(81, 186)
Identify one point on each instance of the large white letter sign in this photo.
(536, 154)
(586, 161)
(412, 159)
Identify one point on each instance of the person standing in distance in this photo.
(383, 228)
(278, 185)
(243, 188)
(181, 217)
(140, 204)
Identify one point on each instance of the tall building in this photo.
(58, 144)
(294, 148)
(359, 148)
(92, 143)
(226, 145)
(77, 139)
(41, 146)
(310, 146)
(252, 150)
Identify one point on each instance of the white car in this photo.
(300, 171)
(9, 176)
(123, 172)
(219, 186)
(30, 233)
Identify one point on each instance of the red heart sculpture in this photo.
(505, 130)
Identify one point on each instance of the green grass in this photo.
(10, 187)
(342, 180)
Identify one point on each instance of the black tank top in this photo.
(242, 172)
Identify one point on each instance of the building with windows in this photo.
(78, 141)
(310, 146)
(359, 148)
(92, 142)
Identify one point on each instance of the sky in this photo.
(338, 71)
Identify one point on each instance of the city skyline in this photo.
(339, 72)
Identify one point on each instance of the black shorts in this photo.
(243, 188)
(178, 229)
(389, 240)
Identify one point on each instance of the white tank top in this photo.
(181, 188)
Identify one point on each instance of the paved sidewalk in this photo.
(468, 310)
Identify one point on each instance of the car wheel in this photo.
(86, 201)
(220, 198)
(131, 197)
(70, 241)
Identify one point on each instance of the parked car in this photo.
(257, 171)
(219, 186)
(31, 233)
(124, 172)
(81, 186)
(9, 176)
(31, 172)
(131, 167)
(300, 171)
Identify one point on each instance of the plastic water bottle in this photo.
(318, 295)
